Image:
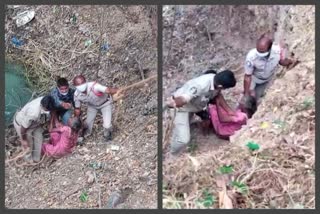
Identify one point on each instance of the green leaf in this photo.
(308, 102)
(192, 147)
(253, 146)
(207, 200)
(206, 192)
(96, 165)
(84, 197)
(226, 169)
(279, 123)
(241, 187)
(208, 203)
(88, 43)
(74, 19)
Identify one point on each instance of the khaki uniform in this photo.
(262, 69)
(197, 92)
(97, 100)
(31, 117)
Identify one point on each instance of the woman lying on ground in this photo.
(62, 138)
(224, 125)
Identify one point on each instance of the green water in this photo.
(17, 93)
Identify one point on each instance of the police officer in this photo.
(28, 124)
(98, 98)
(193, 97)
(260, 66)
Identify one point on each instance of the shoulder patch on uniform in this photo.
(193, 90)
(249, 64)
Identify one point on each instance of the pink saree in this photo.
(226, 129)
(60, 144)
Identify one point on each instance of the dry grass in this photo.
(278, 177)
(281, 174)
(57, 44)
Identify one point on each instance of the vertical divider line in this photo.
(159, 39)
(2, 107)
(317, 97)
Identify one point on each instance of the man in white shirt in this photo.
(260, 66)
(193, 97)
(98, 98)
(28, 124)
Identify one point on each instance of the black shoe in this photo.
(107, 134)
(108, 137)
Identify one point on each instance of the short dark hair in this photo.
(76, 124)
(48, 102)
(225, 78)
(250, 105)
(210, 72)
(62, 82)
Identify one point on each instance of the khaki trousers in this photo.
(106, 110)
(181, 131)
(34, 138)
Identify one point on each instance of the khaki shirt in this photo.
(197, 92)
(91, 98)
(260, 68)
(30, 116)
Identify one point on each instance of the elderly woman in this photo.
(62, 138)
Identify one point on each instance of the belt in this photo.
(264, 79)
(103, 102)
(106, 100)
(15, 119)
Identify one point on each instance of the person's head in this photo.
(224, 79)
(250, 106)
(75, 124)
(80, 83)
(263, 46)
(63, 86)
(47, 104)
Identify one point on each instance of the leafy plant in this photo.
(192, 147)
(74, 19)
(207, 200)
(240, 187)
(253, 146)
(307, 103)
(226, 169)
(84, 197)
(279, 123)
(96, 165)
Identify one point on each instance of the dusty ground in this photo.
(281, 173)
(64, 41)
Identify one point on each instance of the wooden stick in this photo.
(168, 130)
(20, 155)
(119, 94)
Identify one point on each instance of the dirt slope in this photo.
(64, 41)
(281, 174)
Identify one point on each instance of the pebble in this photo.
(90, 176)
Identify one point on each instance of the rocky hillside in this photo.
(115, 45)
(281, 173)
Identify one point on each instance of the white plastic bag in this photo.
(24, 17)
